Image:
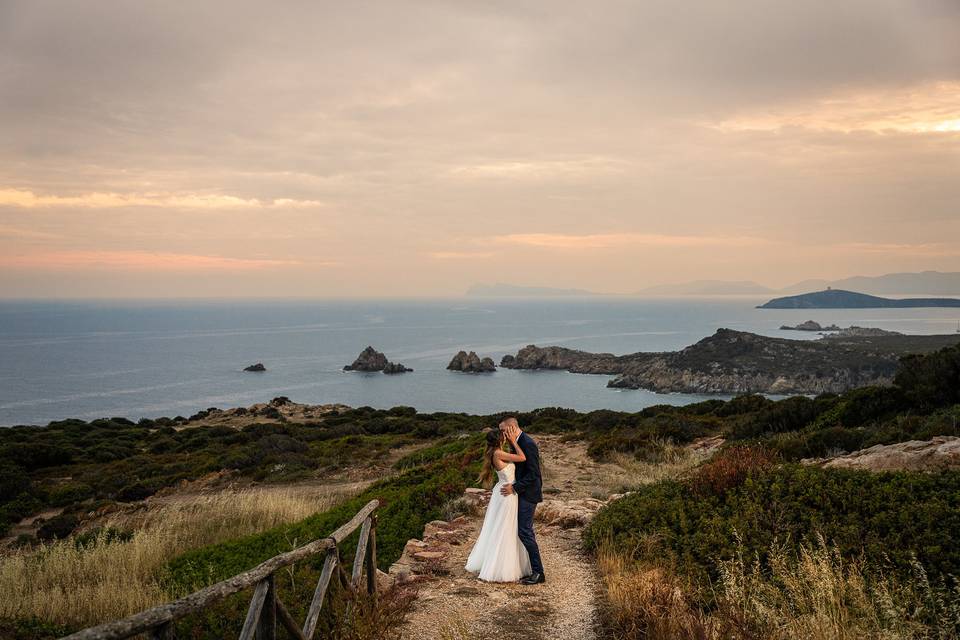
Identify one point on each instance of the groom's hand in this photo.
(506, 490)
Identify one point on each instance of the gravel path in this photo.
(454, 605)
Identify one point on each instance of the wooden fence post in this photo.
(372, 559)
(267, 629)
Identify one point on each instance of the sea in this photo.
(93, 359)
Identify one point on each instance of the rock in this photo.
(861, 332)
(385, 581)
(429, 555)
(369, 360)
(568, 513)
(471, 363)
(256, 368)
(937, 454)
(395, 367)
(476, 498)
(809, 325)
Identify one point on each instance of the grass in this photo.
(810, 594)
(82, 584)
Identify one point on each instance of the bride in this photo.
(498, 555)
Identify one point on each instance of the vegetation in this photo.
(747, 530)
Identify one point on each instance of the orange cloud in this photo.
(139, 261)
(928, 108)
(29, 200)
(610, 240)
(460, 255)
(932, 249)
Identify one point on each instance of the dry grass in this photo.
(627, 472)
(812, 595)
(80, 585)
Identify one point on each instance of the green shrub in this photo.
(931, 381)
(890, 518)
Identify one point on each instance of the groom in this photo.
(528, 487)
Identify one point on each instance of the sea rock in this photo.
(471, 363)
(256, 368)
(395, 367)
(937, 454)
(369, 360)
(810, 325)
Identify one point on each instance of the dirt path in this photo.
(454, 605)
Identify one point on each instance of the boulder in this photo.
(937, 454)
(395, 367)
(471, 363)
(256, 368)
(568, 513)
(369, 360)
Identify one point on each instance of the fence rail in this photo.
(266, 610)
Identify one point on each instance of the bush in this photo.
(889, 518)
(730, 468)
(931, 381)
(58, 527)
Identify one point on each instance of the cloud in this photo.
(930, 249)
(540, 169)
(611, 240)
(460, 255)
(926, 108)
(21, 233)
(29, 200)
(139, 260)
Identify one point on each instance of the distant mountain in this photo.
(924, 282)
(840, 299)
(501, 290)
(706, 288)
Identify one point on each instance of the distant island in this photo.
(841, 299)
(503, 290)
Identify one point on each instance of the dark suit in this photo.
(529, 488)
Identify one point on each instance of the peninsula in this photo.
(739, 362)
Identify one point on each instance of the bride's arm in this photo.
(519, 456)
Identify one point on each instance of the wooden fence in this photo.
(266, 610)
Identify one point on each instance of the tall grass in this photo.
(661, 461)
(82, 584)
(813, 594)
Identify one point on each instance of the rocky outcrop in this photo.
(471, 363)
(280, 409)
(810, 325)
(862, 332)
(424, 558)
(256, 368)
(572, 360)
(395, 367)
(369, 360)
(937, 454)
(739, 362)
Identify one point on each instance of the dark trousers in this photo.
(527, 536)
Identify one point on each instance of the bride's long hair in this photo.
(495, 440)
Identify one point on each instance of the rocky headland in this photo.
(739, 362)
(471, 363)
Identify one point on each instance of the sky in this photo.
(313, 149)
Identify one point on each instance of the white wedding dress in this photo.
(498, 555)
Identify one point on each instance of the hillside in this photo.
(841, 299)
(739, 362)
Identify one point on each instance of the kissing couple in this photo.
(506, 549)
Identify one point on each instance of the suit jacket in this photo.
(529, 482)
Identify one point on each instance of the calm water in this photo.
(97, 359)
